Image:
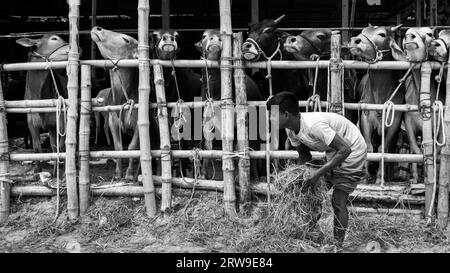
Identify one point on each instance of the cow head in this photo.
(165, 44)
(374, 43)
(439, 48)
(210, 45)
(263, 39)
(114, 45)
(51, 47)
(309, 42)
(416, 43)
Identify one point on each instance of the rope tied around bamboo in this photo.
(315, 98)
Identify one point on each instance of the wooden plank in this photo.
(255, 11)
(419, 16)
(345, 19)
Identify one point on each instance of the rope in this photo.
(196, 159)
(315, 98)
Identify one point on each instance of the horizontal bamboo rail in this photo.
(388, 157)
(348, 64)
(134, 31)
(43, 103)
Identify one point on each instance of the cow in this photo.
(265, 42)
(210, 46)
(45, 84)
(373, 44)
(314, 45)
(181, 84)
(98, 116)
(123, 91)
(416, 46)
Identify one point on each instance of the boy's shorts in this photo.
(347, 176)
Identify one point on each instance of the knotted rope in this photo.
(315, 98)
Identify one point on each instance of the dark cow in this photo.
(373, 44)
(183, 85)
(210, 46)
(314, 45)
(103, 95)
(265, 42)
(124, 90)
(41, 84)
(416, 45)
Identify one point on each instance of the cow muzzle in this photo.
(415, 48)
(249, 51)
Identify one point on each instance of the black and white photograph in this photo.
(225, 132)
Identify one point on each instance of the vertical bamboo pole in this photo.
(164, 132)
(444, 175)
(5, 187)
(345, 18)
(427, 137)
(84, 132)
(93, 46)
(336, 85)
(229, 194)
(242, 121)
(255, 11)
(418, 14)
(72, 115)
(165, 11)
(143, 112)
(433, 13)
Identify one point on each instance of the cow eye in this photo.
(204, 36)
(126, 40)
(267, 30)
(321, 37)
(382, 35)
(430, 34)
(54, 38)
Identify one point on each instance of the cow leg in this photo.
(367, 130)
(106, 129)
(115, 132)
(52, 134)
(133, 145)
(414, 148)
(97, 127)
(388, 140)
(34, 125)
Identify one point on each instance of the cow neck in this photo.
(412, 95)
(381, 84)
(124, 79)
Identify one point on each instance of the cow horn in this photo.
(279, 19)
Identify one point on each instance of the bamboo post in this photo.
(444, 174)
(143, 112)
(93, 24)
(5, 187)
(84, 132)
(335, 80)
(72, 115)
(229, 195)
(166, 158)
(345, 18)
(242, 121)
(418, 13)
(165, 12)
(427, 137)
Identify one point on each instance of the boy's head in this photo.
(288, 110)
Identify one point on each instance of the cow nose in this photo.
(357, 41)
(98, 28)
(247, 45)
(293, 39)
(435, 44)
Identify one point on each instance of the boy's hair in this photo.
(286, 101)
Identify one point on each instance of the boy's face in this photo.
(280, 118)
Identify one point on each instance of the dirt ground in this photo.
(196, 224)
(121, 225)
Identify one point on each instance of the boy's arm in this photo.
(342, 149)
(304, 154)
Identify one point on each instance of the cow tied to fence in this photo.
(416, 45)
(180, 85)
(46, 84)
(116, 46)
(315, 45)
(210, 46)
(373, 44)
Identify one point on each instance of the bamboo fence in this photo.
(72, 115)
(144, 99)
(229, 194)
(4, 162)
(84, 132)
(227, 154)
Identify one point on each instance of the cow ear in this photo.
(198, 46)
(369, 25)
(397, 52)
(26, 42)
(394, 29)
(278, 20)
(176, 35)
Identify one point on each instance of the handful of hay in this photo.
(294, 212)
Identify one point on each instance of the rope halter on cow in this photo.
(379, 53)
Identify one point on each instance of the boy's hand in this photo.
(311, 183)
